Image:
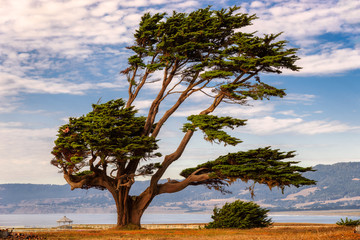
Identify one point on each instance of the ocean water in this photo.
(49, 220)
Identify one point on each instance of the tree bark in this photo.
(128, 214)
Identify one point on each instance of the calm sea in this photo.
(49, 220)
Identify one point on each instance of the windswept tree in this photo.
(203, 52)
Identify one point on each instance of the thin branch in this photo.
(170, 91)
(207, 94)
(185, 94)
(133, 95)
(154, 108)
(198, 89)
(154, 81)
(131, 82)
(138, 88)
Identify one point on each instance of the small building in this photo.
(65, 223)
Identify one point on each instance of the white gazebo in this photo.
(64, 222)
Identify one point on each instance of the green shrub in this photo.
(348, 222)
(239, 214)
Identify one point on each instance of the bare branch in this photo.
(138, 88)
(171, 90)
(172, 186)
(214, 105)
(133, 95)
(73, 184)
(185, 94)
(131, 82)
(154, 108)
(207, 94)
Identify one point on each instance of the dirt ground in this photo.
(290, 231)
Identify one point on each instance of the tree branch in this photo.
(154, 108)
(214, 105)
(168, 160)
(133, 95)
(171, 187)
(184, 95)
(73, 184)
(138, 88)
(131, 83)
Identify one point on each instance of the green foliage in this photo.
(240, 215)
(206, 47)
(262, 165)
(111, 133)
(212, 125)
(348, 222)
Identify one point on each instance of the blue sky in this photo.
(58, 57)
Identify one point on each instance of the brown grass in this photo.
(277, 231)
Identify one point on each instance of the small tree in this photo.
(202, 52)
(239, 214)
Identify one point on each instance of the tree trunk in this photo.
(128, 213)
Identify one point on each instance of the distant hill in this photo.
(338, 187)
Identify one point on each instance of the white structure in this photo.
(64, 222)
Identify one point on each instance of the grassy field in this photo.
(277, 231)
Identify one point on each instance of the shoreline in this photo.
(193, 226)
(334, 212)
(337, 212)
(304, 216)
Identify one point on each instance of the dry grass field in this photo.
(277, 231)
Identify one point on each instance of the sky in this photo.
(57, 57)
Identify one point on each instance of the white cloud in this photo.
(38, 37)
(270, 125)
(257, 4)
(104, 8)
(302, 19)
(299, 98)
(329, 62)
(288, 113)
(26, 151)
(13, 85)
(304, 22)
(234, 110)
(142, 105)
(8, 103)
(10, 124)
(254, 109)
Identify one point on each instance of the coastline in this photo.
(171, 218)
(336, 212)
(194, 226)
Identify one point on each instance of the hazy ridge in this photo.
(338, 187)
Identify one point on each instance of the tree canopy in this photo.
(262, 165)
(199, 53)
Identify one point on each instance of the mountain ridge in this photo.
(338, 187)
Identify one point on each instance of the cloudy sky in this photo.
(57, 57)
